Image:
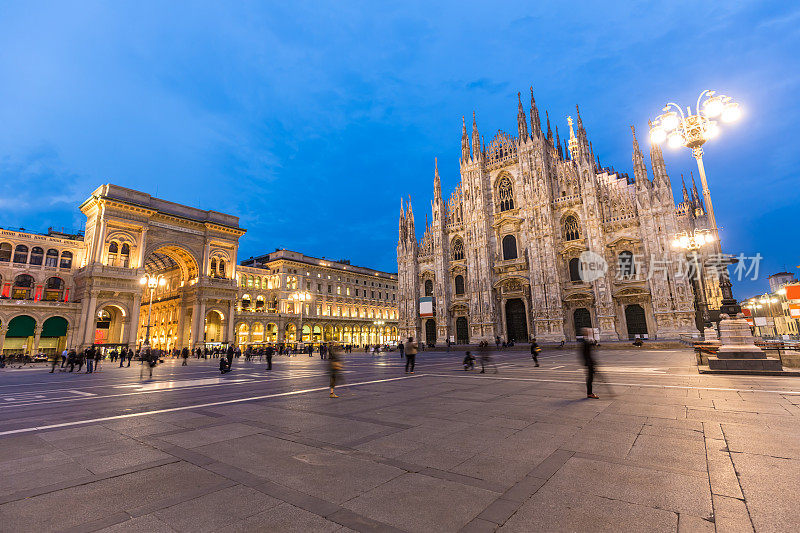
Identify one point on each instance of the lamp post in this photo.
(691, 243)
(152, 282)
(692, 130)
(301, 297)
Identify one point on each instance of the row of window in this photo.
(35, 256)
(23, 288)
(509, 242)
(274, 282)
(271, 306)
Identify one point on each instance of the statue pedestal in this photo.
(737, 349)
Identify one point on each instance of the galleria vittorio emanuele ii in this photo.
(502, 256)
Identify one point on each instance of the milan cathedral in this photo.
(505, 255)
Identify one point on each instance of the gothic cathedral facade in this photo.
(505, 255)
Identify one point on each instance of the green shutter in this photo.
(21, 326)
(54, 327)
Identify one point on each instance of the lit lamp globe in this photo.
(711, 131)
(669, 121)
(713, 107)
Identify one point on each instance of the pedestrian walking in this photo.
(335, 363)
(185, 356)
(54, 361)
(469, 361)
(535, 350)
(148, 361)
(89, 356)
(586, 347)
(402, 348)
(64, 356)
(411, 355)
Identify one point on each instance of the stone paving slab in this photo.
(452, 452)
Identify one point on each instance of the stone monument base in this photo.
(737, 351)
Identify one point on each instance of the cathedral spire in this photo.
(476, 140)
(695, 195)
(522, 123)
(536, 125)
(639, 168)
(549, 131)
(558, 144)
(464, 141)
(657, 164)
(437, 182)
(685, 192)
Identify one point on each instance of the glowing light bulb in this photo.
(675, 140)
(731, 112)
(669, 121)
(658, 135)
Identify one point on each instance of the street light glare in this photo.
(658, 135)
(143, 280)
(712, 130)
(731, 112)
(162, 282)
(676, 140)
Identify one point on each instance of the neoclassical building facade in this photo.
(70, 291)
(506, 255)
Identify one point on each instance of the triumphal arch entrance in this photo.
(131, 235)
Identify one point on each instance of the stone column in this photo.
(3, 331)
(89, 321)
(37, 335)
(133, 329)
(229, 326)
(181, 341)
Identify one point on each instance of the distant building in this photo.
(70, 291)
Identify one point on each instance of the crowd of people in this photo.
(91, 357)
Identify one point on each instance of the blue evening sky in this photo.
(311, 119)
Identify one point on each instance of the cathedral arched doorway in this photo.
(462, 331)
(582, 319)
(109, 325)
(213, 327)
(516, 322)
(430, 332)
(635, 320)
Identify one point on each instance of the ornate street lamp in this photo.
(301, 297)
(152, 282)
(692, 130)
(691, 243)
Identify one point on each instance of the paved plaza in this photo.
(663, 449)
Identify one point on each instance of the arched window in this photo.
(213, 267)
(221, 268)
(259, 303)
(113, 253)
(246, 301)
(575, 269)
(509, 247)
(571, 231)
(124, 254)
(505, 194)
(5, 252)
(66, 260)
(37, 256)
(21, 254)
(459, 283)
(23, 287)
(53, 289)
(51, 259)
(626, 265)
(428, 287)
(458, 249)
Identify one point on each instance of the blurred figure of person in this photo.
(53, 358)
(535, 350)
(89, 356)
(586, 347)
(268, 353)
(184, 355)
(411, 355)
(469, 361)
(148, 361)
(335, 364)
(402, 349)
(486, 359)
(64, 356)
(497, 342)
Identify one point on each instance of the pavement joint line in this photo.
(649, 385)
(195, 406)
